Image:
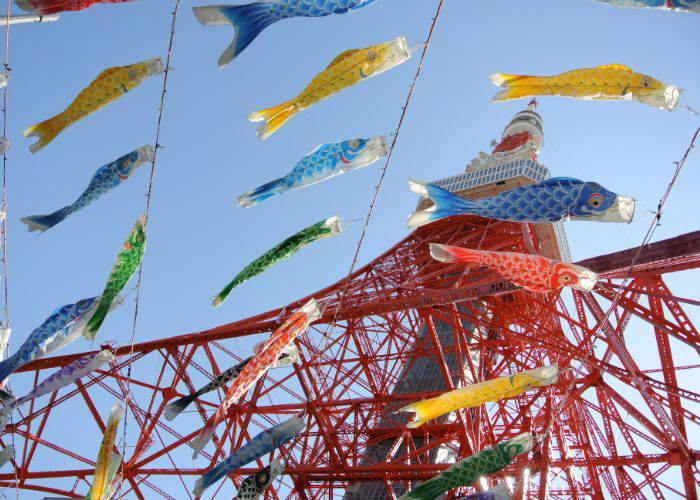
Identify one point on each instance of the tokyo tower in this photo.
(404, 328)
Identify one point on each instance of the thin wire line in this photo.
(655, 223)
(149, 192)
(384, 169)
(4, 168)
(3, 208)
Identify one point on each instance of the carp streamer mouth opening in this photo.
(665, 98)
(621, 211)
(586, 282)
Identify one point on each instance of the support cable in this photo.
(149, 192)
(384, 169)
(3, 211)
(653, 226)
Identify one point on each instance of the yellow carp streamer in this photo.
(104, 457)
(347, 69)
(109, 85)
(609, 82)
(483, 392)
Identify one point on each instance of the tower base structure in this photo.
(620, 432)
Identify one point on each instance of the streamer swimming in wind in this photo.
(608, 82)
(105, 179)
(681, 5)
(66, 376)
(125, 266)
(347, 69)
(262, 444)
(322, 229)
(101, 479)
(532, 272)
(482, 392)
(264, 359)
(324, 162)
(555, 199)
(109, 85)
(44, 7)
(249, 20)
(288, 356)
(467, 471)
(253, 486)
(50, 335)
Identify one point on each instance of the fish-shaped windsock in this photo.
(67, 375)
(59, 325)
(264, 359)
(253, 486)
(78, 328)
(532, 272)
(125, 266)
(105, 179)
(262, 444)
(609, 82)
(322, 229)
(6, 454)
(172, 410)
(556, 199)
(467, 471)
(324, 162)
(5, 333)
(479, 393)
(4, 78)
(101, 479)
(44, 7)
(250, 19)
(115, 460)
(683, 5)
(109, 85)
(347, 69)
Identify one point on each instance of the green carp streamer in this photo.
(322, 229)
(467, 471)
(126, 265)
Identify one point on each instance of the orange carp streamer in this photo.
(266, 357)
(532, 272)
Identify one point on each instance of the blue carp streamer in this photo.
(250, 19)
(556, 199)
(324, 162)
(58, 324)
(260, 445)
(105, 179)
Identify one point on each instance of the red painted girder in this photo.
(680, 252)
(661, 256)
(388, 470)
(617, 344)
(690, 338)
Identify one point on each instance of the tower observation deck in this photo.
(512, 163)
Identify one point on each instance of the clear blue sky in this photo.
(199, 238)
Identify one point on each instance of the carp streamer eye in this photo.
(354, 144)
(565, 279)
(646, 82)
(133, 74)
(595, 200)
(372, 56)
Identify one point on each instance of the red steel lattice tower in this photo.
(619, 432)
